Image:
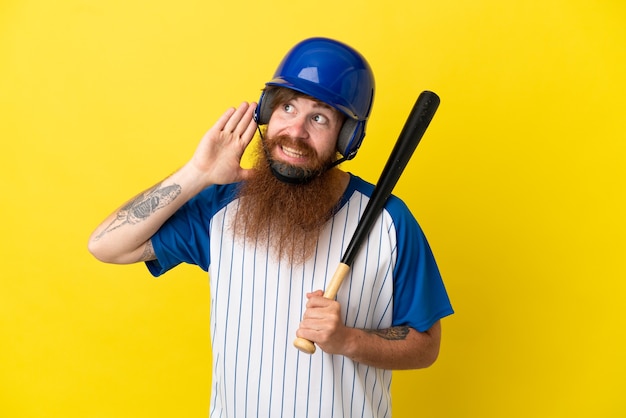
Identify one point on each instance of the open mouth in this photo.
(292, 152)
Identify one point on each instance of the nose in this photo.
(297, 128)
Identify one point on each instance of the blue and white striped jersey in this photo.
(257, 303)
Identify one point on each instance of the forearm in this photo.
(395, 348)
(399, 347)
(124, 236)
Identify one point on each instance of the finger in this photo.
(313, 319)
(250, 131)
(250, 128)
(315, 293)
(246, 128)
(221, 122)
(236, 117)
(318, 302)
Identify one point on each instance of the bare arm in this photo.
(124, 236)
(394, 348)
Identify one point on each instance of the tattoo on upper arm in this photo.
(148, 252)
(143, 206)
(393, 333)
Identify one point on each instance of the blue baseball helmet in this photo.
(333, 73)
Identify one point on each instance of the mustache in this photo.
(286, 140)
(288, 173)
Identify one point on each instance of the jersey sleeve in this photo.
(420, 297)
(185, 237)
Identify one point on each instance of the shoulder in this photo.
(205, 205)
(394, 205)
(358, 184)
(215, 197)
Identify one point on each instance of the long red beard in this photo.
(286, 218)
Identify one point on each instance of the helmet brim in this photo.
(317, 92)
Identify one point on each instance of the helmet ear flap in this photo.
(350, 137)
(263, 110)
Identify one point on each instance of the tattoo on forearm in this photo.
(393, 333)
(143, 206)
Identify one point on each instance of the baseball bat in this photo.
(422, 113)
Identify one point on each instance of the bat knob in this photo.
(304, 345)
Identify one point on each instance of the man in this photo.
(271, 237)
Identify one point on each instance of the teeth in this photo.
(292, 152)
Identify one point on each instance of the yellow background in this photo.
(518, 183)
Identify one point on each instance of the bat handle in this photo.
(304, 345)
(341, 273)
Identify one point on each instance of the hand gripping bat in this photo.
(410, 136)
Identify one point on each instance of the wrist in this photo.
(191, 178)
(354, 340)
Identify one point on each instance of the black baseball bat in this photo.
(422, 113)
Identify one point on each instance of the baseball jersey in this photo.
(257, 303)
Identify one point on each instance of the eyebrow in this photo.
(325, 106)
(316, 102)
(319, 104)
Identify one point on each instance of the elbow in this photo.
(427, 346)
(420, 359)
(97, 250)
(114, 251)
(429, 358)
(101, 251)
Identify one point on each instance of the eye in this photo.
(321, 119)
(288, 108)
